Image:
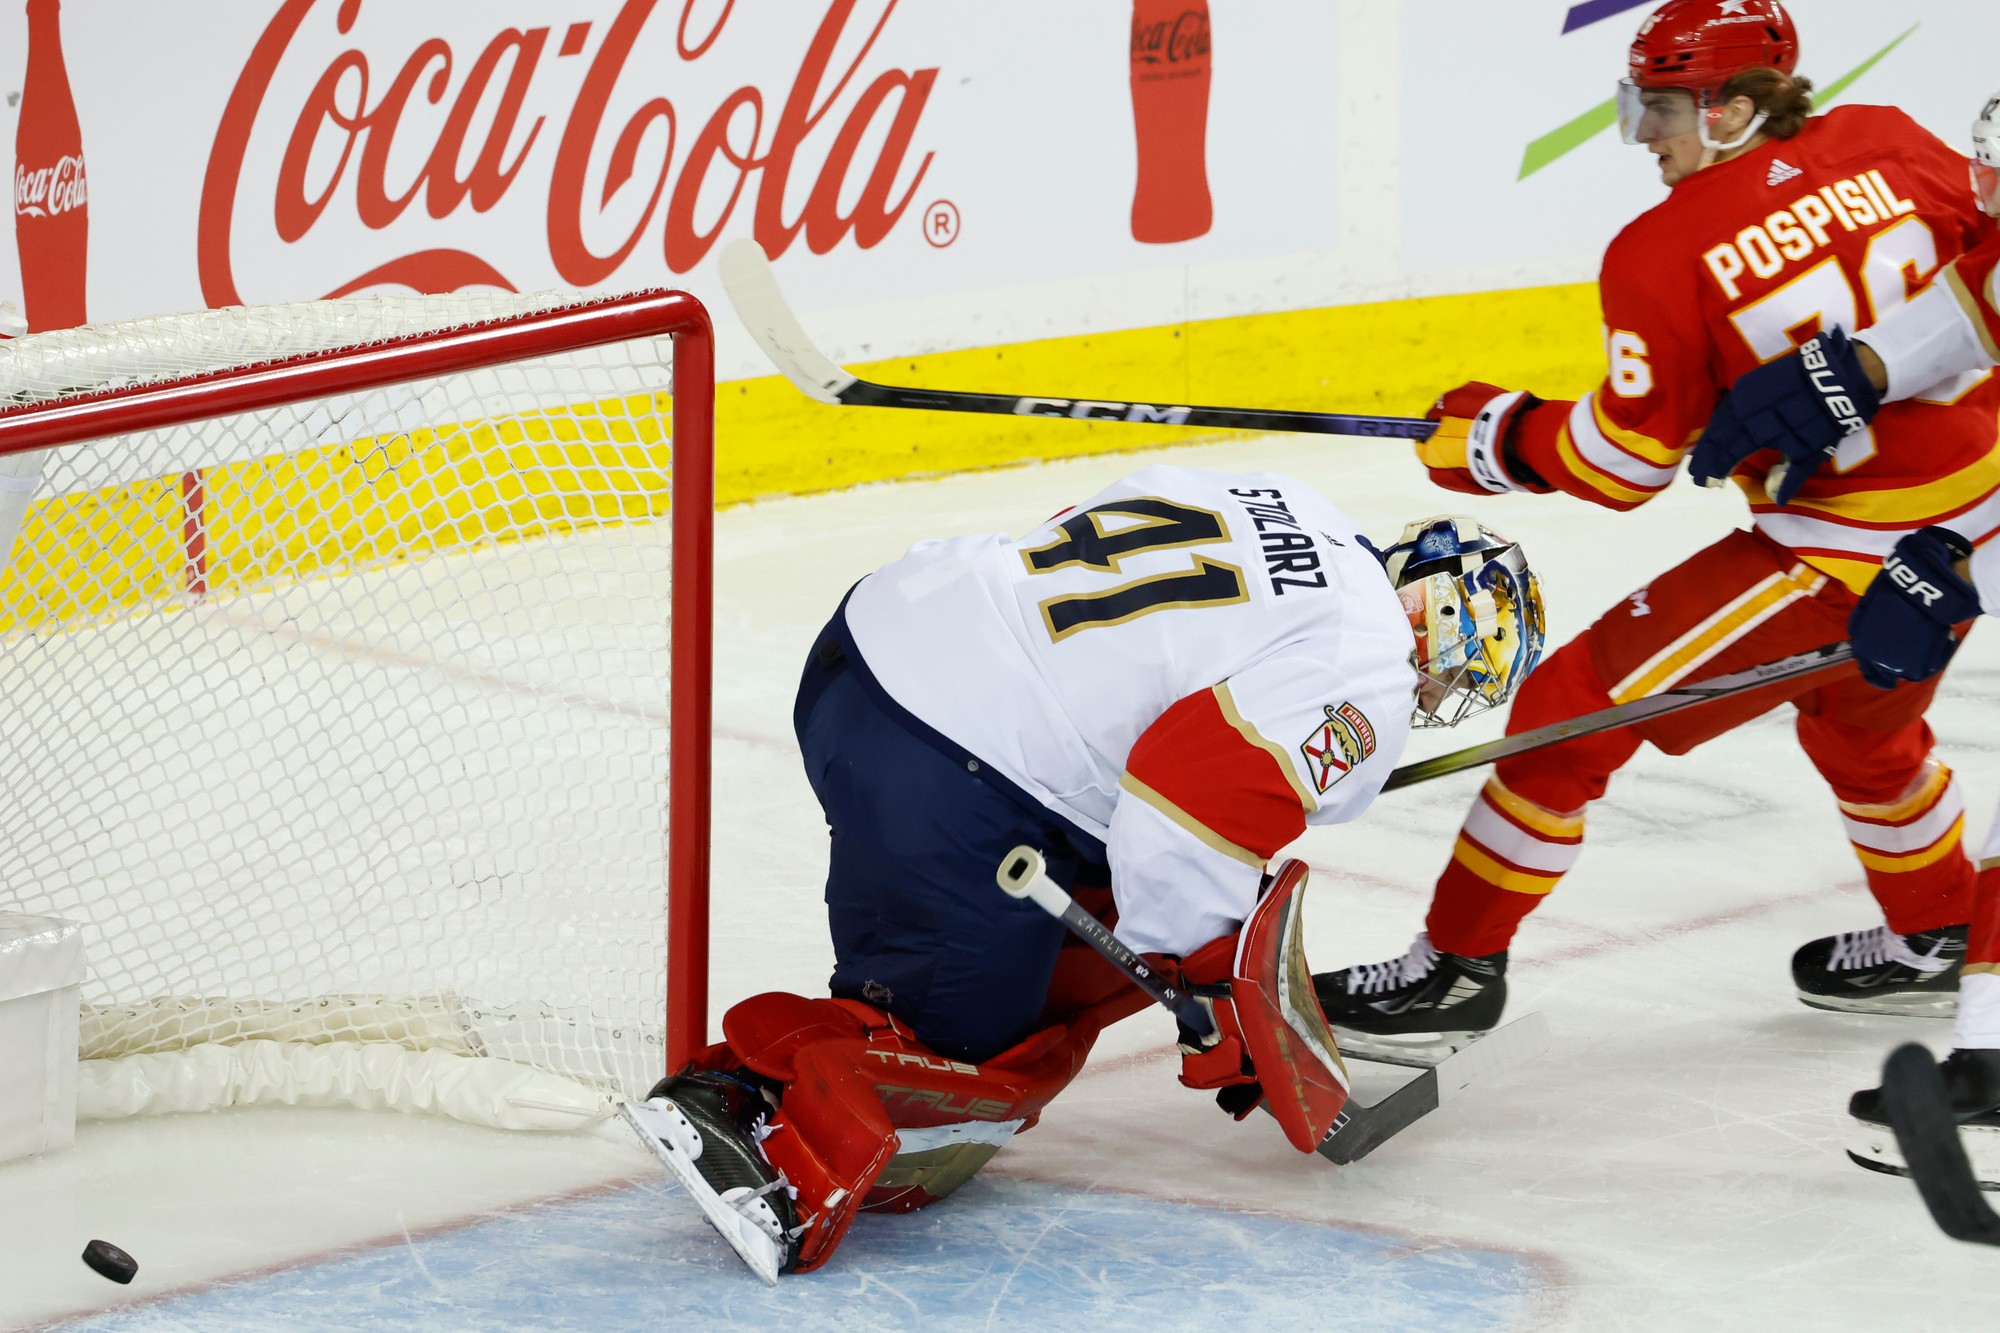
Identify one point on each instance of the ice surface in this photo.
(1674, 1162)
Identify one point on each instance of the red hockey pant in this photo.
(1741, 602)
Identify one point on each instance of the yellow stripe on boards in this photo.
(1389, 358)
(284, 519)
(279, 521)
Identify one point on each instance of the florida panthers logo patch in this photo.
(1337, 745)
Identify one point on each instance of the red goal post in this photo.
(93, 418)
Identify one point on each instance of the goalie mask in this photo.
(1476, 610)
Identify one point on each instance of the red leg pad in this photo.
(872, 1120)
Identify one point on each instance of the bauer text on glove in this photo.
(1903, 628)
(1802, 405)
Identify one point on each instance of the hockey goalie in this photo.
(1159, 689)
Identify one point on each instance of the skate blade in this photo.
(1874, 1148)
(669, 1137)
(1894, 1004)
(1415, 1050)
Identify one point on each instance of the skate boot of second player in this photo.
(1416, 1009)
(1880, 972)
(1972, 1082)
(704, 1125)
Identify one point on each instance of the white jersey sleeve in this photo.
(1187, 668)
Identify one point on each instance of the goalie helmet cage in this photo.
(359, 701)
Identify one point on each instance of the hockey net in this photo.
(354, 658)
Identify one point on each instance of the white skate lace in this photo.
(1412, 967)
(1857, 949)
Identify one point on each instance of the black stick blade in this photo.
(1914, 1094)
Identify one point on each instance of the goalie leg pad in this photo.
(871, 1120)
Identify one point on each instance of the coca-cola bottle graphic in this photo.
(1170, 119)
(51, 198)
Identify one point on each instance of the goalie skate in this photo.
(704, 1130)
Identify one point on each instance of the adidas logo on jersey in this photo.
(1780, 172)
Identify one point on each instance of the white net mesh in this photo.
(348, 720)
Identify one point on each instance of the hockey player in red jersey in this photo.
(1906, 626)
(1775, 226)
(1157, 690)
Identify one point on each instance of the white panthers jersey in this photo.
(1189, 666)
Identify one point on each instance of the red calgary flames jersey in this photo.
(1742, 262)
(1975, 280)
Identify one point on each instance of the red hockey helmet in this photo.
(1685, 51)
(1699, 44)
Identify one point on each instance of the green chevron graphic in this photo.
(1570, 135)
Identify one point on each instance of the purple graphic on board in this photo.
(1593, 11)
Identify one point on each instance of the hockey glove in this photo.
(1215, 1059)
(1802, 404)
(1472, 448)
(1902, 628)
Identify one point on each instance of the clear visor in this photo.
(1986, 186)
(1648, 115)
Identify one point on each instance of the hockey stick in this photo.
(1023, 874)
(753, 290)
(1358, 1130)
(1927, 1132)
(1624, 715)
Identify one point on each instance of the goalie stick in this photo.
(753, 291)
(1624, 715)
(1914, 1095)
(1358, 1130)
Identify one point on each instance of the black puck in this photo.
(111, 1261)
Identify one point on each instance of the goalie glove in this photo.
(1472, 449)
(1271, 1045)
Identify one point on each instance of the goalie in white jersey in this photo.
(1159, 689)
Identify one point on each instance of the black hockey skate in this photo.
(1972, 1088)
(1880, 972)
(1413, 1010)
(705, 1125)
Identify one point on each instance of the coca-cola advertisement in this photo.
(926, 174)
(881, 151)
(51, 187)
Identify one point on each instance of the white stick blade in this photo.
(753, 290)
(1500, 1050)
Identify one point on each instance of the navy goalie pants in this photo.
(918, 827)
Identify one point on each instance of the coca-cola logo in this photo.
(1184, 38)
(354, 121)
(47, 191)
